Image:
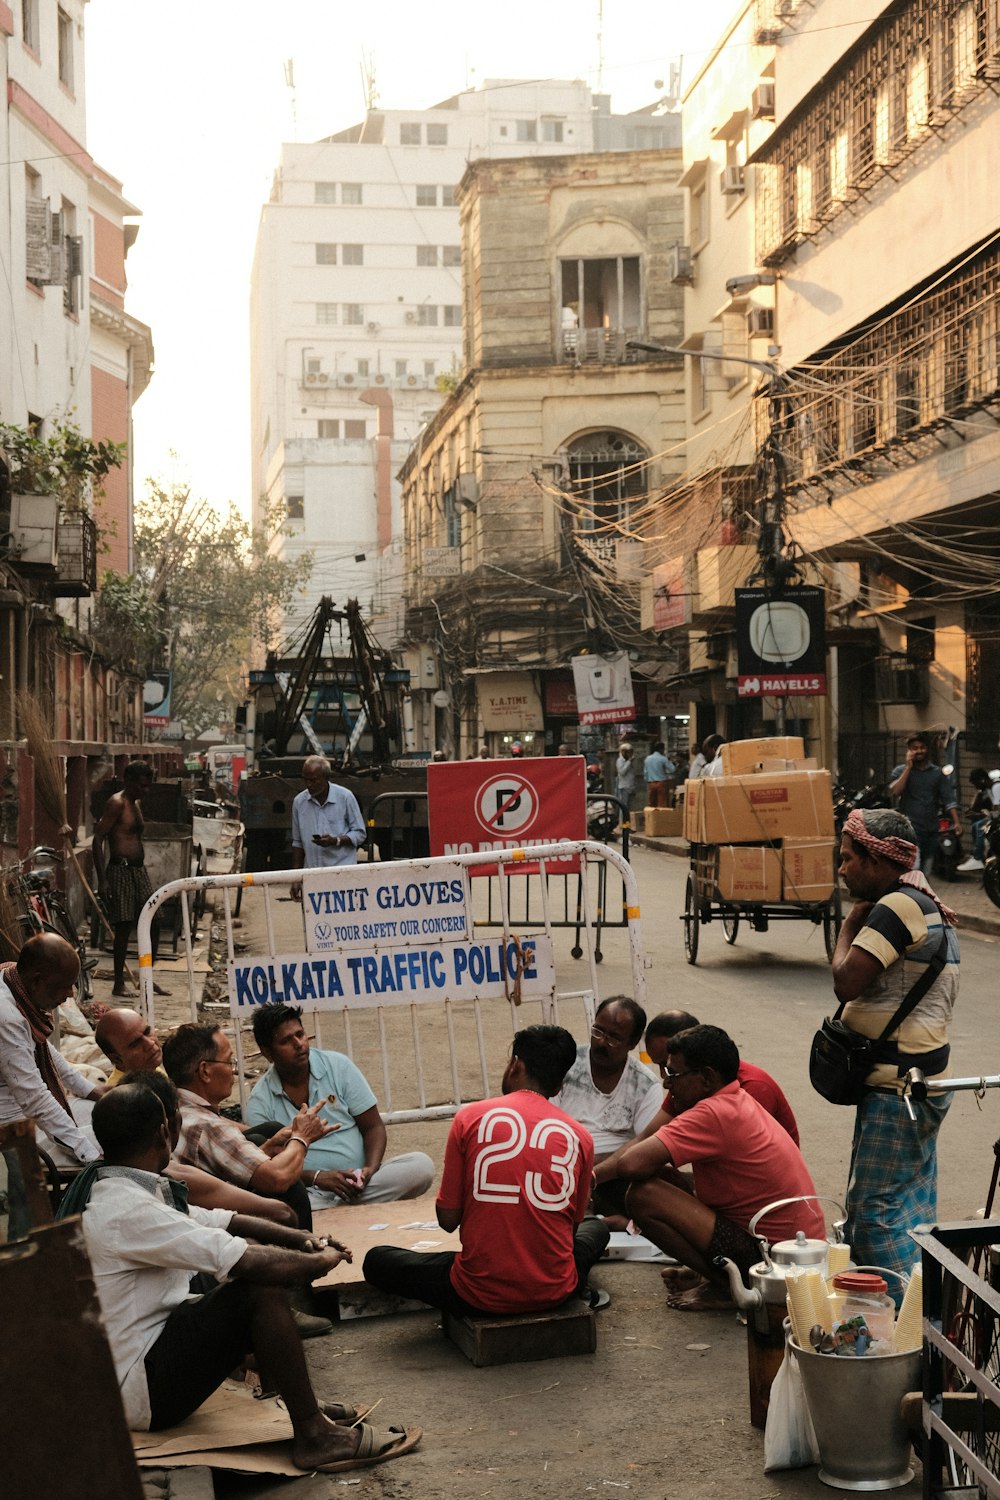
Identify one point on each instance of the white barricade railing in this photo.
(355, 983)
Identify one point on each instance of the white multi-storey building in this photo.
(356, 311)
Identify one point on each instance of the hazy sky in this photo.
(189, 107)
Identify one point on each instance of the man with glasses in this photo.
(199, 1061)
(611, 1093)
(758, 1084)
(741, 1160)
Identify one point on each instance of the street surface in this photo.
(661, 1409)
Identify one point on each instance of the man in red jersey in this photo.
(517, 1178)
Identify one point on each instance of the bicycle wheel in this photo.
(730, 923)
(691, 921)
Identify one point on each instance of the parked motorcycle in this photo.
(872, 794)
(991, 864)
(604, 813)
(949, 849)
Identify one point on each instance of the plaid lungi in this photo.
(127, 888)
(892, 1185)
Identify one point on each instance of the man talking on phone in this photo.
(327, 826)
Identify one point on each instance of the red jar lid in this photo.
(865, 1283)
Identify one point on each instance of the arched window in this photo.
(607, 474)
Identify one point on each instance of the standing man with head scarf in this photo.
(890, 935)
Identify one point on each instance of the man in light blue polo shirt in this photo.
(327, 826)
(347, 1165)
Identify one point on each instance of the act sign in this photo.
(475, 806)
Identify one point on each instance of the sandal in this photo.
(377, 1446)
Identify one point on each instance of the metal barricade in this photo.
(397, 827)
(433, 1050)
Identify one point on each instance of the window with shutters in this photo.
(72, 248)
(326, 255)
(324, 192)
(427, 255)
(352, 255)
(452, 255)
(427, 195)
(354, 429)
(326, 312)
(409, 133)
(328, 427)
(64, 32)
(295, 507)
(527, 130)
(437, 135)
(354, 314)
(427, 315)
(452, 315)
(447, 197)
(29, 24)
(350, 194)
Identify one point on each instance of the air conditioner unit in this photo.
(33, 522)
(731, 180)
(373, 327)
(411, 380)
(411, 317)
(760, 321)
(379, 380)
(322, 378)
(762, 102)
(681, 265)
(312, 378)
(467, 489)
(345, 379)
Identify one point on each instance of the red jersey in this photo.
(762, 1087)
(517, 1170)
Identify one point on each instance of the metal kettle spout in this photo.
(746, 1298)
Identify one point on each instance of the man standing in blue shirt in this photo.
(327, 826)
(657, 770)
(346, 1165)
(923, 793)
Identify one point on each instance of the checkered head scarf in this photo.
(899, 852)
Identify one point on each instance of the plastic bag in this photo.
(789, 1438)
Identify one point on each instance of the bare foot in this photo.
(120, 990)
(159, 990)
(704, 1298)
(680, 1278)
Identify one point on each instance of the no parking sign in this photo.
(506, 804)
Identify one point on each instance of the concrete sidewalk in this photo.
(966, 897)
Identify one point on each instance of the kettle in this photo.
(768, 1279)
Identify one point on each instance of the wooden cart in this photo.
(704, 904)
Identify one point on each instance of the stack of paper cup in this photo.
(909, 1325)
(838, 1258)
(801, 1308)
(816, 1284)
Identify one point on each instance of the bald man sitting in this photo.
(129, 1043)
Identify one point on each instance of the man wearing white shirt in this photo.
(172, 1350)
(35, 1080)
(611, 1093)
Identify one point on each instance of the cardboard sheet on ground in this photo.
(411, 1225)
(230, 1431)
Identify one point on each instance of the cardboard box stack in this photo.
(771, 813)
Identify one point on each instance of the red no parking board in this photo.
(506, 804)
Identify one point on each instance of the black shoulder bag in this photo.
(841, 1059)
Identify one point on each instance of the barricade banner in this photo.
(486, 970)
(361, 906)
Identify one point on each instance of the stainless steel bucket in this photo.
(854, 1403)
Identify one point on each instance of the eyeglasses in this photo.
(606, 1036)
(222, 1062)
(669, 1076)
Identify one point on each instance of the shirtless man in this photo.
(121, 875)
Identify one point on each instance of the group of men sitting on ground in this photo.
(184, 1192)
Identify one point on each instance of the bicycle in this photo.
(42, 910)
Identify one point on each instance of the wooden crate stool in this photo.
(506, 1341)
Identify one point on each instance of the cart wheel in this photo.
(730, 923)
(690, 922)
(832, 919)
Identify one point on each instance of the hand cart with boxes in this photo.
(762, 844)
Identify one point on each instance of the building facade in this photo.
(356, 312)
(70, 354)
(526, 498)
(884, 156)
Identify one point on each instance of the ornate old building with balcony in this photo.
(526, 499)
